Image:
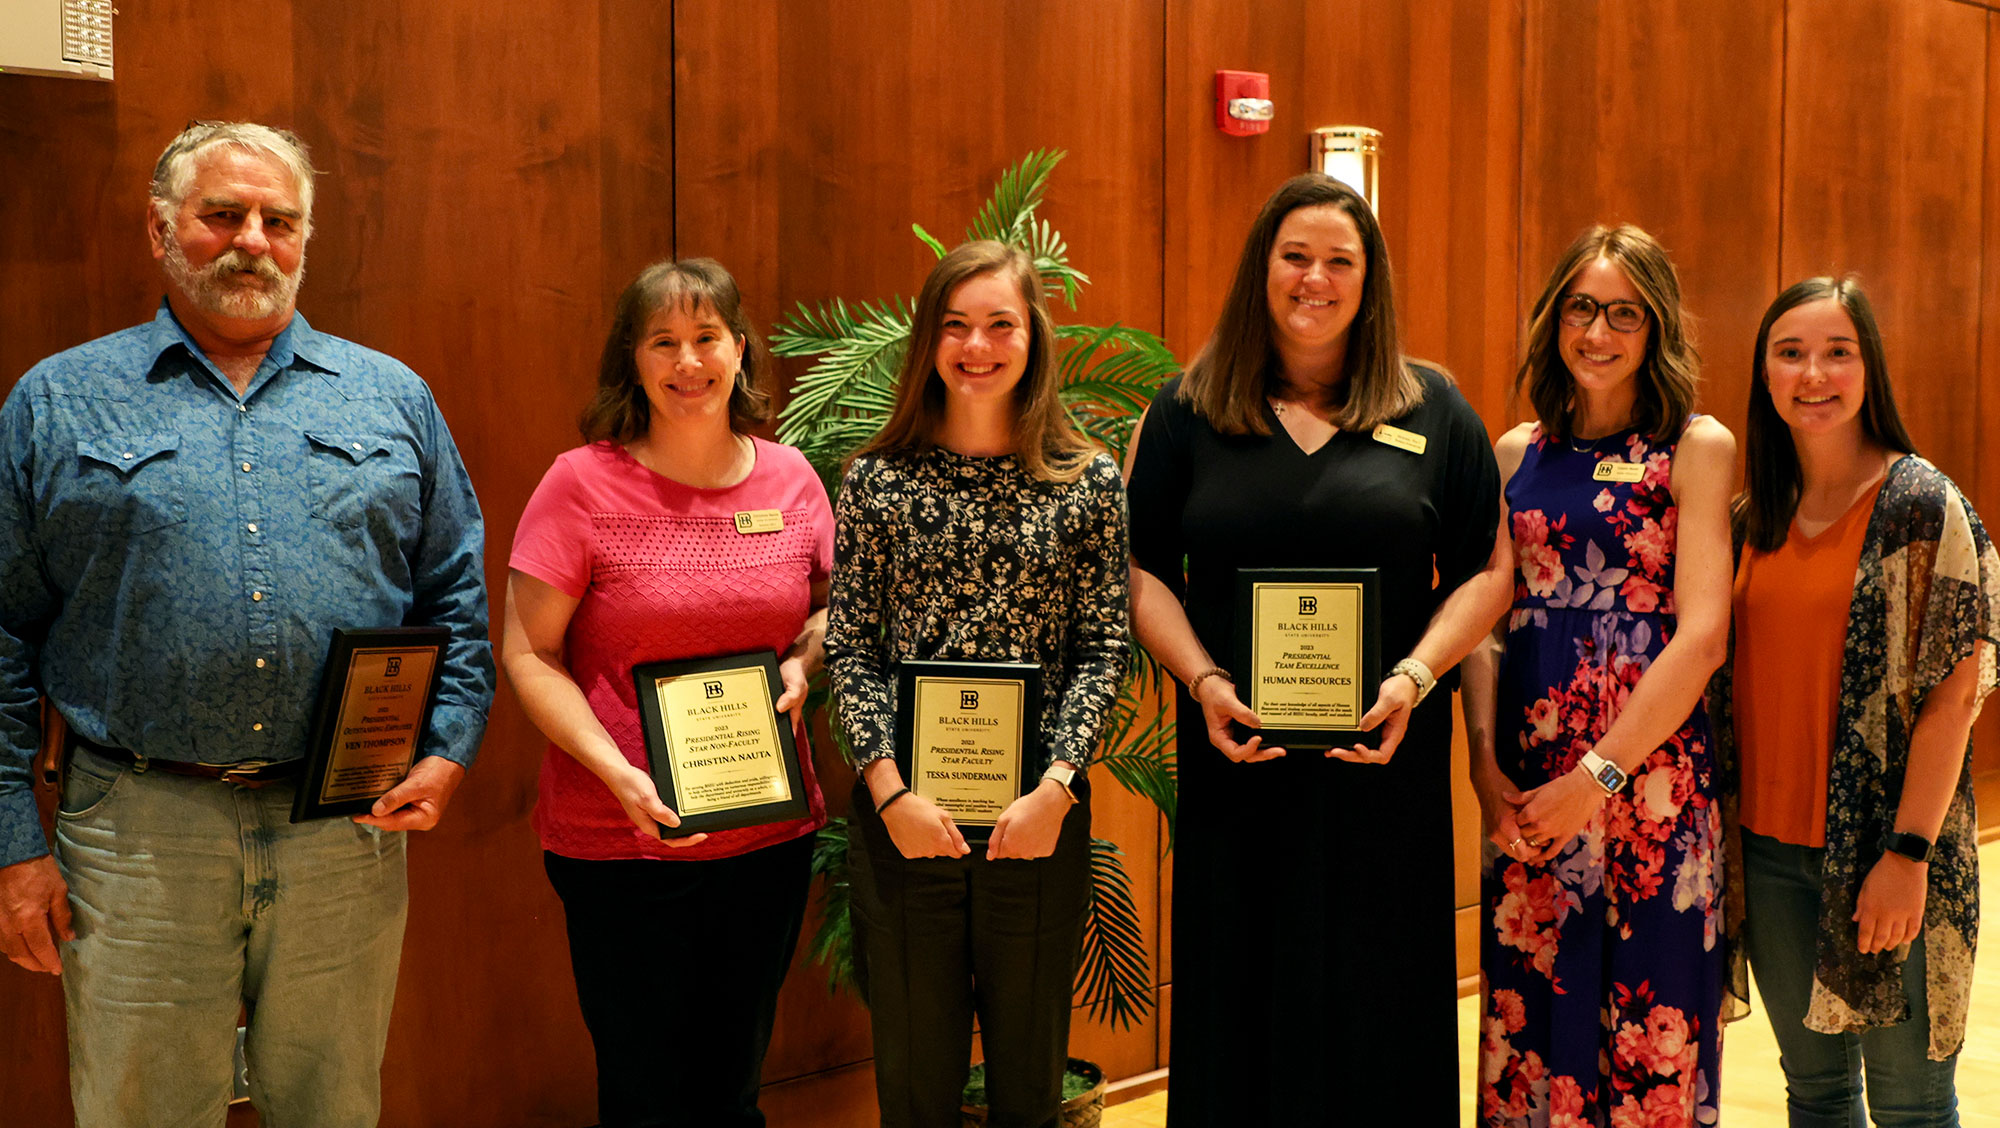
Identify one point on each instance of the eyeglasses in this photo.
(1578, 310)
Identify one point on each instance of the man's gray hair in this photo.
(173, 176)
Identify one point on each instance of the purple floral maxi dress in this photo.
(1603, 968)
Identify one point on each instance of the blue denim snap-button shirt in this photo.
(174, 557)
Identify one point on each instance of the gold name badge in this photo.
(1401, 439)
(1611, 470)
(750, 521)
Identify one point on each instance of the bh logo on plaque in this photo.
(968, 699)
(1308, 605)
(711, 688)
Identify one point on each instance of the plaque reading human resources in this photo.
(1309, 657)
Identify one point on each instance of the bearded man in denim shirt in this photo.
(188, 509)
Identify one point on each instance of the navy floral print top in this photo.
(945, 556)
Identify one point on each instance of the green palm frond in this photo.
(1115, 978)
(1139, 752)
(832, 945)
(1010, 211)
(1051, 256)
(850, 390)
(929, 240)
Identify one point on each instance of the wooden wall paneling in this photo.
(75, 158)
(1882, 184)
(809, 137)
(635, 94)
(459, 231)
(1985, 490)
(1666, 115)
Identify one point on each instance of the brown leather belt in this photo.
(249, 773)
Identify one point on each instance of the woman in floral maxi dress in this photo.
(1592, 756)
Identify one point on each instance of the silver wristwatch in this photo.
(1608, 775)
(1063, 774)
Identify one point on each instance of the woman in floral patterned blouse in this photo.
(979, 525)
(1591, 753)
(1866, 611)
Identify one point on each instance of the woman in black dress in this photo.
(1313, 891)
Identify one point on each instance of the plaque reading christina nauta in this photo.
(373, 710)
(1309, 651)
(965, 735)
(720, 753)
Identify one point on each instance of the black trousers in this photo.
(939, 940)
(678, 966)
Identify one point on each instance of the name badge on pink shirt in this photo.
(750, 521)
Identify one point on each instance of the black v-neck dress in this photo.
(1313, 951)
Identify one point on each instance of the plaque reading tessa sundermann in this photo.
(720, 753)
(373, 710)
(1309, 652)
(964, 735)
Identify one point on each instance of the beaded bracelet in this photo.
(1212, 671)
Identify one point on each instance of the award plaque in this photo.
(1308, 653)
(720, 753)
(373, 710)
(965, 736)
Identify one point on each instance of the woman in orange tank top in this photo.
(1866, 591)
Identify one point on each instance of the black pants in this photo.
(939, 940)
(677, 970)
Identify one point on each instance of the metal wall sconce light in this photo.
(1351, 154)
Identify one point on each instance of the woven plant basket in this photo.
(1085, 1110)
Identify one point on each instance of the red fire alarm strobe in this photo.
(1242, 102)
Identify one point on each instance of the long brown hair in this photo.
(1047, 443)
(1668, 374)
(620, 412)
(1228, 381)
(1772, 482)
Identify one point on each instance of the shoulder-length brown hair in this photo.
(1229, 380)
(620, 412)
(1771, 479)
(1048, 444)
(1671, 368)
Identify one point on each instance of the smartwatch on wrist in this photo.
(1608, 775)
(1915, 847)
(1063, 774)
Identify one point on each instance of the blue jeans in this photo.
(194, 898)
(1823, 1072)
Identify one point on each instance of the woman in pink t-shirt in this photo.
(631, 551)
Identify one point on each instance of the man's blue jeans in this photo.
(194, 897)
(1823, 1072)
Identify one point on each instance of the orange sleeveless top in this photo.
(1790, 609)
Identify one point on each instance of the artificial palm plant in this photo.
(1109, 375)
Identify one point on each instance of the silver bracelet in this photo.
(1417, 672)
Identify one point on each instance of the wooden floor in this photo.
(1753, 1089)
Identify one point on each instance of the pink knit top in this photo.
(662, 573)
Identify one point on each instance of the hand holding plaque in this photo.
(720, 753)
(373, 710)
(1308, 652)
(965, 736)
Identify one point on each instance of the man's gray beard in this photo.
(209, 291)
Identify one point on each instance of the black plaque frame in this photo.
(324, 733)
(645, 679)
(1028, 674)
(1309, 738)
